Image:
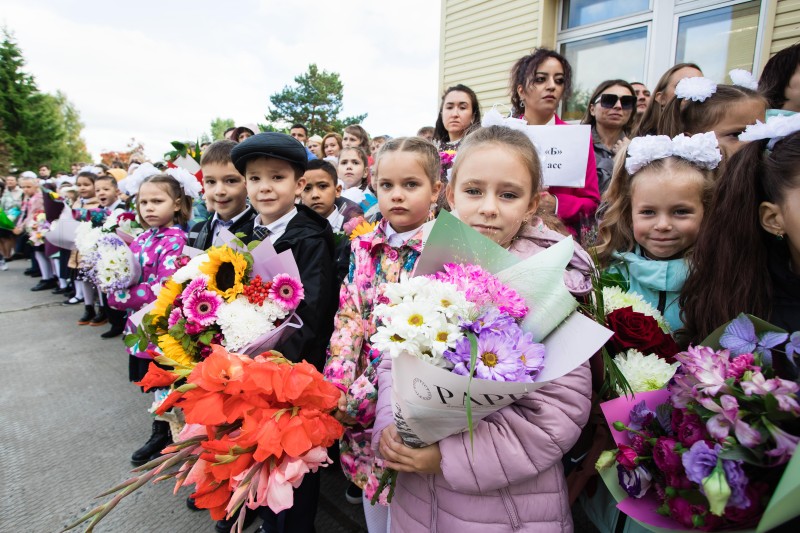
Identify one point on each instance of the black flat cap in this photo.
(269, 144)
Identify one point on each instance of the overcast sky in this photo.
(162, 70)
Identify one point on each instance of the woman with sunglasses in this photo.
(539, 81)
(611, 114)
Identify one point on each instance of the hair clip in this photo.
(698, 89)
(775, 128)
(743, 78)
(701, 150)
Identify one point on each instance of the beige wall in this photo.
(481, 40)
(786, 27)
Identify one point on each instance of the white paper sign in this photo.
(429, 403)
(566, 153)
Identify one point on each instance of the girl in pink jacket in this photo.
(513, 479)
(163, 209)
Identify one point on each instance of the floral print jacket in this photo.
(156, 250)
(352, 362)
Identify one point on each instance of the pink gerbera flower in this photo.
(198, 284)
(202, 307)
(174, 317)
(286, 291)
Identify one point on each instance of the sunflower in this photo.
(225, 269)
(166, 297)
(173, 349)
(362, 229)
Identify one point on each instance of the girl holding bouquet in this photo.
(512, 478)
(164, 209)
(407, 182)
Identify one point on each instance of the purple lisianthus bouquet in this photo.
(708, 452)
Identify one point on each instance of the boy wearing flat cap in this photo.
(273, 165)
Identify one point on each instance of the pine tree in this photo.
(34, 131)
(218, 127)
(315, 101)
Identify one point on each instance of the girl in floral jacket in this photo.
(407, 184)
(164, 209)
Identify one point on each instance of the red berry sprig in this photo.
(257, 291)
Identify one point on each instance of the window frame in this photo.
(662, 21)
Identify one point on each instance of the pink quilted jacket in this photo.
(513, 481)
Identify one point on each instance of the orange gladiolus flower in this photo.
(213, 497)
(221, 371)
(169, 402)
(156, 377)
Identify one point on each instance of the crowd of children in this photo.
(701, 215)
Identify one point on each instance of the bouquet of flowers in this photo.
(640, 355)
(447, 158)
(37, 228)
(124, 224)
(475, 310)
(709, 451)
(242, 299)
(255, 427)
(110, 265)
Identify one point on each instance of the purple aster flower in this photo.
(532, 353)
(700, 460)
(491, 320)
(737, 481)
(497, 359)
(635, 482)
(201, 308)
(459, 356)
(641, 416)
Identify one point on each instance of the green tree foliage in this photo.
(315, 100)
(218, 127)
(74, 149)
(38, 128)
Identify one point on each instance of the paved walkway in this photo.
(69, 420)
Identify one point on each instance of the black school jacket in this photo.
(201, 236)
(310, 238)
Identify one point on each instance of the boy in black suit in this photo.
(225, 193)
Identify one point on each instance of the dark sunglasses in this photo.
(610, 100)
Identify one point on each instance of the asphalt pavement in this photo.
(69, 421)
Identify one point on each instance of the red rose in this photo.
(627, 457)
(641, 332)
(681, 510)
(665, 457)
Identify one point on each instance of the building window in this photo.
(719, 40)
(582, 12)
(638, 40)
(600, 58)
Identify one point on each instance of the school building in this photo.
(635, 40)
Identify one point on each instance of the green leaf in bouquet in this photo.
(206, 337)
(613, 278)
(740, 453)
(178, 331)
(131, 340)
(473, 357)
(614, 379)
(179, 146)
(252, 245)
(783, 506)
